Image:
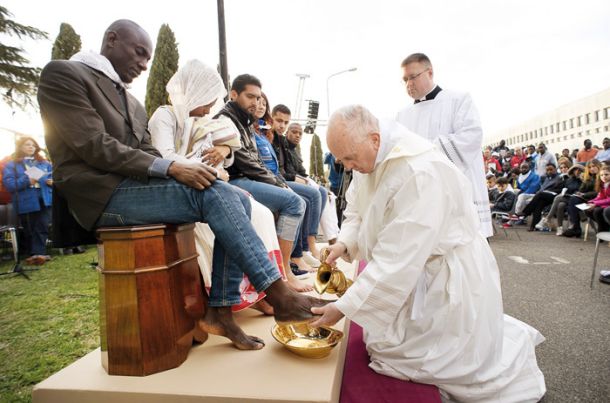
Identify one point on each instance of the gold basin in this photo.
(307, 341)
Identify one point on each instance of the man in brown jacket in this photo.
(109, 173)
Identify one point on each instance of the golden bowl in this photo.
(307, 341)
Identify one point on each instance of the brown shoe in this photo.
(35, 260)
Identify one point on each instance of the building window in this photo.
(579, 121)
(557, 127)
(551, 127)
(596, 114)
(587, 118)
(564, 125)
(606, 113)
(571, 123)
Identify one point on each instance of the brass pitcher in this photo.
(329, 279)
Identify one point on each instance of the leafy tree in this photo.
(164, 65)
(18, 81)
(316, 160)
(66, 44)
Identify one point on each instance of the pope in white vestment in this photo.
(429, 299)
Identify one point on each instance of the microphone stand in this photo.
(18, 268)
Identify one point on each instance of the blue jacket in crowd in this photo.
(531, 184)
(14, 178)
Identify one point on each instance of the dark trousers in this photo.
(35, 231)
(574, 212)
(536, 205)
(597, 214)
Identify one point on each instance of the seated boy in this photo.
(505, 197)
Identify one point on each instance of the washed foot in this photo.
(297, 308)
(219, 321)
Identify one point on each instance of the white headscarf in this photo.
(194, 84)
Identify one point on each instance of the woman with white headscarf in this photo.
(183, 132)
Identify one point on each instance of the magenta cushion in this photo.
(363, 385)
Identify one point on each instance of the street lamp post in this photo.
(297, 107)
(328, 79)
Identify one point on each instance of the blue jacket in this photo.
(267, 154)
(531, 184)
(14, 178)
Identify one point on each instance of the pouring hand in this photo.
(336, 250)
(330, 315)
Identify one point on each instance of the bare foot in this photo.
(219, 321)
(264, 307)
(297, 285)
(297, 309)
(199, 335)
(290, 306)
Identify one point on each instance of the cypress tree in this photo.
(66, 44)
(164, 65)
(18, 81)
(316, 160)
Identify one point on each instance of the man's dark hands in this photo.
(198, 176)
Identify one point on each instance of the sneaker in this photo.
(541, 225)
(605, 279)
(298, 272)
(559, 231)
(571, 233)
(310, 260)
(520, 222)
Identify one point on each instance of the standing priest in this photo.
(450, 120)
(429, 299)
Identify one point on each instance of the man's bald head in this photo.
(353, 137)
(128, 47)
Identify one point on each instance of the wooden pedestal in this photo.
(150, 297)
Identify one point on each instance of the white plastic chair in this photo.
(601, 236)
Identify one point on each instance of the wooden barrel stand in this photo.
(150, 297)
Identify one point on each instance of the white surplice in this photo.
(451, 121)
(429, 299)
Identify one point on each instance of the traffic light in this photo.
(312, 112)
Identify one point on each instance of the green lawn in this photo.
(47, 322)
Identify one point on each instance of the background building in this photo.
(565, 127)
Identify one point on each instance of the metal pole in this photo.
(297, 107)
(222, 46)
(327, 92)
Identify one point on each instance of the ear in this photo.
(233, 95)
(376, 139)
(111, 38)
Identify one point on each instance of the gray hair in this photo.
(359, 122)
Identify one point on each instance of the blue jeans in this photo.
(315, 201)
(225, 209)
(288, 205)
(36, 230)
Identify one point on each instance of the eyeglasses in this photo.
(414, 76)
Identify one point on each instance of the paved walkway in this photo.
(545, 282)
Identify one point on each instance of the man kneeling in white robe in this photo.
(429, 299)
